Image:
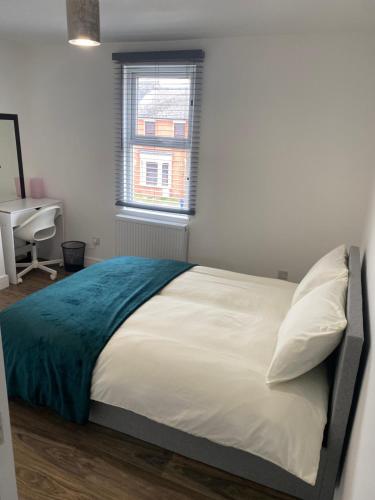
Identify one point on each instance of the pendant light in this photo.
(83, 22)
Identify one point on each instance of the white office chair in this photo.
(39, 227)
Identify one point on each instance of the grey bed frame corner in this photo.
(344, 364)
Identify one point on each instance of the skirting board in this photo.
(4, 281)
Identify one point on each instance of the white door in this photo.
(4, 281)
(8, 489)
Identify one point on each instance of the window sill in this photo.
(153, 216)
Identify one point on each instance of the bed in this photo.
(186, 371)
(108, 405)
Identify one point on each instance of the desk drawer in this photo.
(16, 218)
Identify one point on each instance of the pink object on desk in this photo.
(37, 187)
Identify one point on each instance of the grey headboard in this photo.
(346, 364)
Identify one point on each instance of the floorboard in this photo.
(56, 459)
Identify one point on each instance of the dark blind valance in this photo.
(160, 57)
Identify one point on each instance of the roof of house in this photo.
(170, 102)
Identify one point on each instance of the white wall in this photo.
(8, 161)
(358, 479)
(286, 145)
(14, 98)
(13, 61)
(287, 150)
(14, 88)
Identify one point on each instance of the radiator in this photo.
(151, 238)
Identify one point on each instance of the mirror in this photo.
(12, 184)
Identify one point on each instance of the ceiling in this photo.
(124, 20)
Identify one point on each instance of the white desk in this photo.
(12, 214)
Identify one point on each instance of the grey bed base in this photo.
(345, 365)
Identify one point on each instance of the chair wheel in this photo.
(20, 280)
(52, 277)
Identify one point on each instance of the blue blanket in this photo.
(53, 337)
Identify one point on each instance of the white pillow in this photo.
(311, 330)
(332, 266)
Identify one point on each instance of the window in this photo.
(157, 156)
(154, 169)
(149, 127)
(165, 174)
(151, 174)
(179, 129)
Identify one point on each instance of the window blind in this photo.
(157, 109)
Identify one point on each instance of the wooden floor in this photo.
(56, 459)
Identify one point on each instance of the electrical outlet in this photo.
(95, 241)
(282, 275)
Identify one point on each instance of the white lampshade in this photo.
(83, 22)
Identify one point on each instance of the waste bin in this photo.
(73, 255)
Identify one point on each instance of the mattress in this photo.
(194, 357)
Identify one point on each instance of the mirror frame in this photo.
(14, 118)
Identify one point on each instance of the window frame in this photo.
(130, 105)
(178, 122)
(131, 138)
(149, 120)
(160, 159)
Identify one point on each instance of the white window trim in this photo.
(159, 159)
(154, 215)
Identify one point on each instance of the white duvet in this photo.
(194, 357)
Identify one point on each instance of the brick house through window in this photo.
(150, 127)
(160, 172)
